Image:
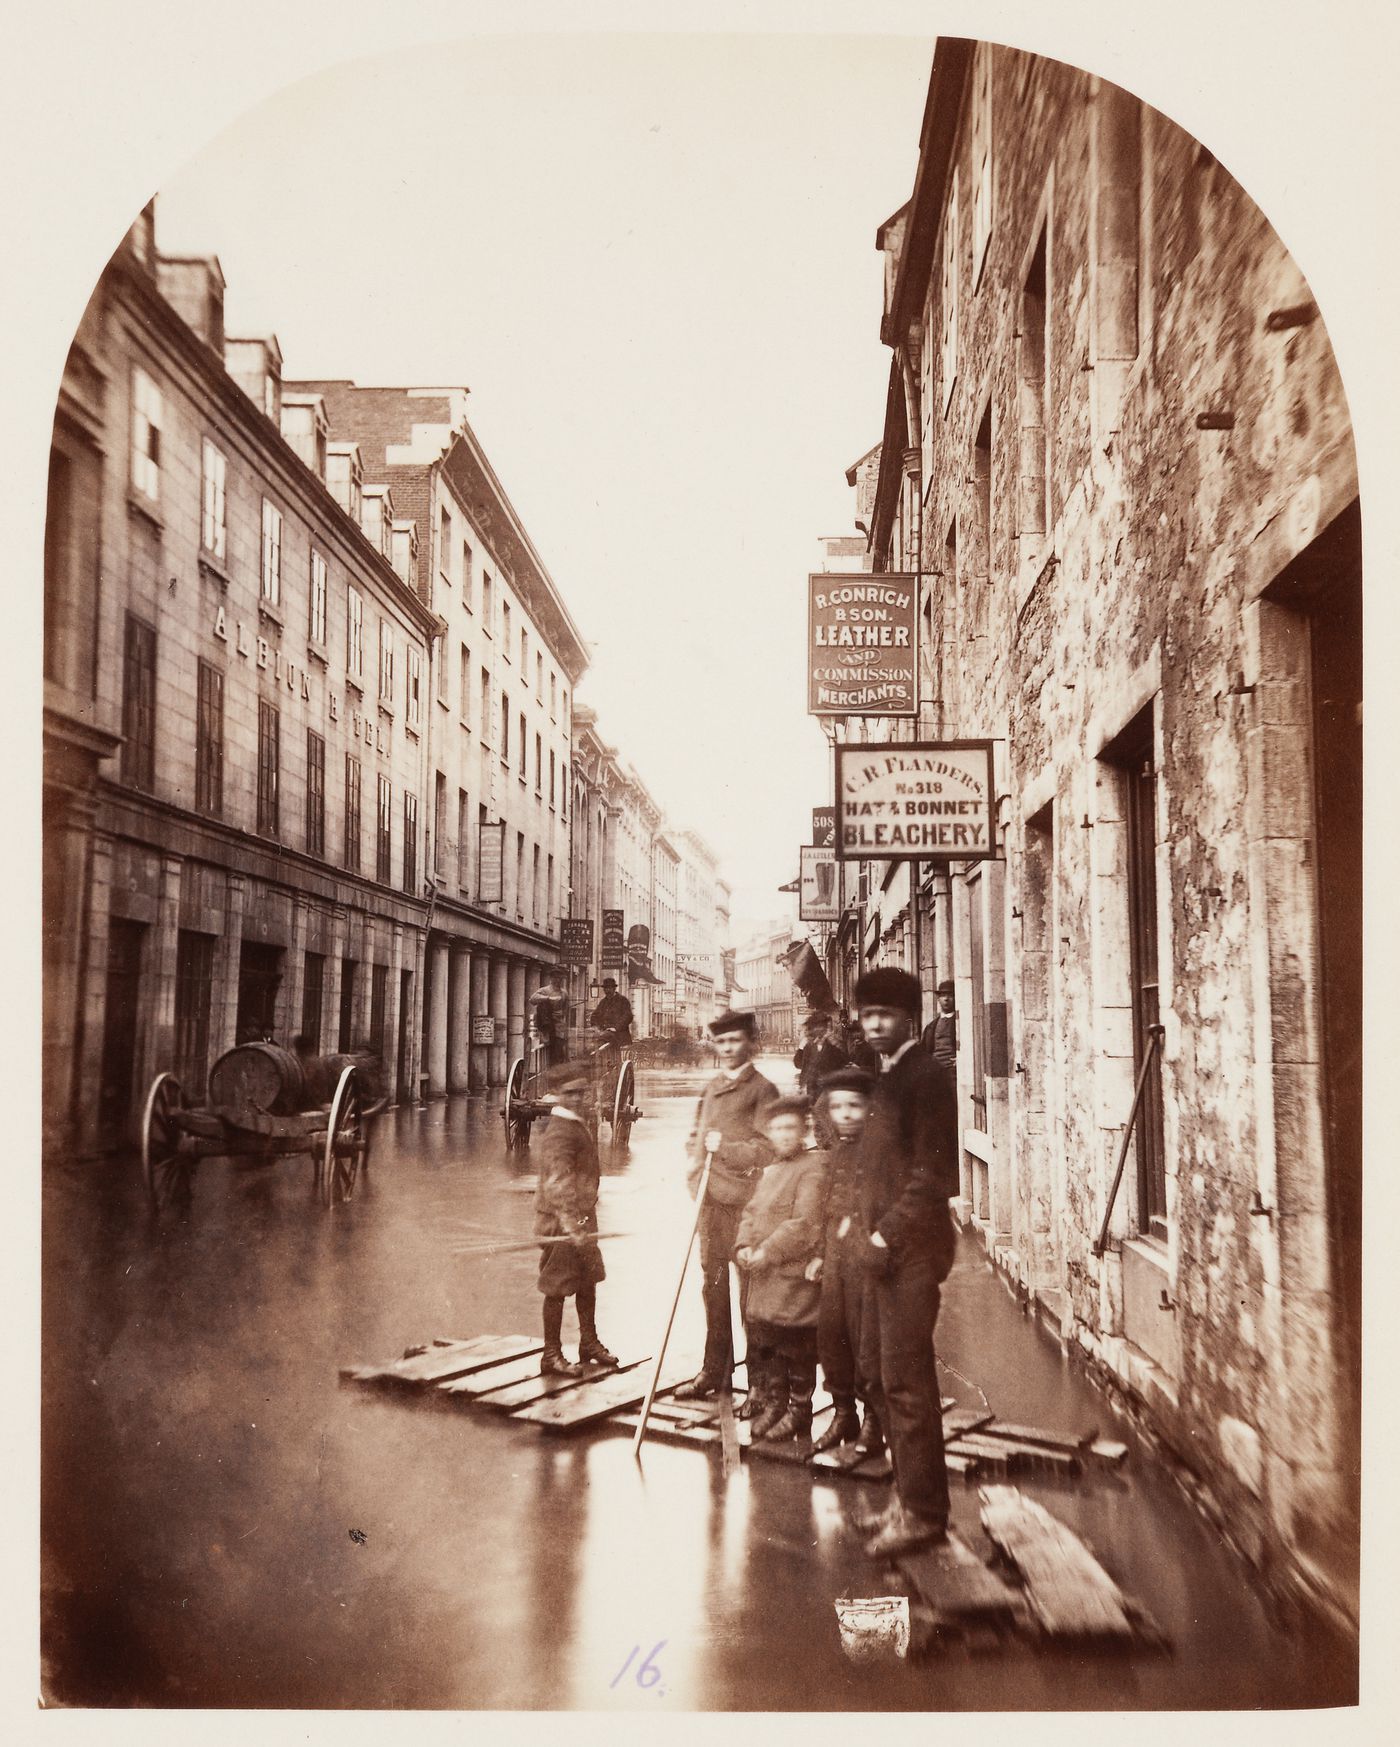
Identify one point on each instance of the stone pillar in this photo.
(481, 1009)
(435, 1044)
(500, 998)
(224, 1019)
(460, 1030)
(158, 997)
(93, 995)
(417, 951)
(294, 982)
(330, 983)
(406, 1093)
(515, 1024)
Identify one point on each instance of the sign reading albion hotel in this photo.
(863, 645)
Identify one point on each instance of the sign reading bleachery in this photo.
(863, 645)
(923, 800)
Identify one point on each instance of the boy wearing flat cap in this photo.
(909, 1171)
(566, 1210)
(730, 1121)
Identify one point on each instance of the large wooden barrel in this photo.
(258, 1076)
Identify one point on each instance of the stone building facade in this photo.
(497, 706)
(239, 655)
(1117, 448)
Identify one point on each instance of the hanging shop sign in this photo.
(863, 645)
(491, 864)
(614, 942)
(819, 889)
(926, 800)
(576, 939)
(483, 1028)
(823, 827)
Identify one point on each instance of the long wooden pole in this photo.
(641, 1430)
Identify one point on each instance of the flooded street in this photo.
(225, 1525)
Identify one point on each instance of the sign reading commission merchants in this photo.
(819, 889)
(928, 800)
(863, 645)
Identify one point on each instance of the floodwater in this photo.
(224, 1525)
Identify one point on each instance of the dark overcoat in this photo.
(909, 1158)
(738, 1108)
(785, 1216)
(566, 1205)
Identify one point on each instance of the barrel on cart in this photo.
(264, 1103)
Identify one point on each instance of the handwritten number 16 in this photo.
(648, 1674)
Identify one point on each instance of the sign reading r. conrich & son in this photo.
(863, 645)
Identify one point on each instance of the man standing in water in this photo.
(909, 1171)
(730, 1122)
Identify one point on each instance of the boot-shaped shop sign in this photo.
(928, 800)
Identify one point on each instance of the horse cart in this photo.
(613, 1099)
(264, 1103)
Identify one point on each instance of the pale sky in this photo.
(652, 260)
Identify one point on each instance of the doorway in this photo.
(120, 1025)
(259, 980)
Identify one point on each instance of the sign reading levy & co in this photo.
(863, 645)
(925, 800)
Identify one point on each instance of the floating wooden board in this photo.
(483, 1386)
(964, 1419)
(446, 1359)
(529, 1390)
(1069, 1592)
(669, 1431)
(954, 1582)
(695, 1413)
(1017, 1434)
(839, 1460)
(613, 1394)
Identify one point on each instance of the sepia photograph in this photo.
(701, 893)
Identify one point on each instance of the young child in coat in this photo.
(846, 1095)
(566, 1210)
(780, 1234)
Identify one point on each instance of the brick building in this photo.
(1118, 450)
(497, 701)
(235, 730)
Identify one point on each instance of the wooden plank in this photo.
(614, 1394)
(1017, 1457)
(838, 1461)
(964, 1419)
(954, 1581)
(1018, 1434)
(1069, 1592)
(533, 1388)
(442, 1361)
(668, 1431)
(477, 1384)
(695, 1413)
(873, 1467)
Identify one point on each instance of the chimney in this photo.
(193, 286)
(305, 427)
(256, 366)
(344, 476)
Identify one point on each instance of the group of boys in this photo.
(841, 1248)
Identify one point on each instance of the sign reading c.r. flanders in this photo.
(925, 800)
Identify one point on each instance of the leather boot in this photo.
(871, 1522)
(796, 1423)
(752, 1404)
(554, 1364)
(872, 1437)
(845, 1425)
(591, 1351)
(772, 1410)
(702, 1387)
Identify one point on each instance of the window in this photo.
(539, 765)
(466, 688)
(415, 687)
(209, 741)
(378, 1006)
(1115, 260)
(1140, 796)
(524, 656)
(485, 706)
(553, 694)
(466, 576)
(352, 813)
(317, 627)
(383, 846)
(981, 159)
(315, 794)
(194, 982)
(539, 677)
(488, 603)
(439, 823)
(1033, 370)
(147, 418)
(564, 793)
(505, 732)
(386, 662)
(463, 834)
(948, 299)
(313, 991)
(441, 646)
(213, 529)
(269, 769)
(505, 630)
(445, 546)
(535, 884)
(139, 704)
(410, 841)
(552, 769)
(521, 745)
(355, 635)
(549, 892)
(271, 552)
(520, 874)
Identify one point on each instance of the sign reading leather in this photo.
(863, 645)
(926, 801)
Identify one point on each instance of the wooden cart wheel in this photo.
(623, 1115)
(345, 1141)
(512, 1112)
(167, 1175)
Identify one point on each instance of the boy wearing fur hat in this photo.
(909, 1171)
(729, 1122)
(566, 1210)
(779, 1237)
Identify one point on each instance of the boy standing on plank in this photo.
(845, 1286)
(566, 1207)
(909, 1171)
(730, 1123)
(779, 1238)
